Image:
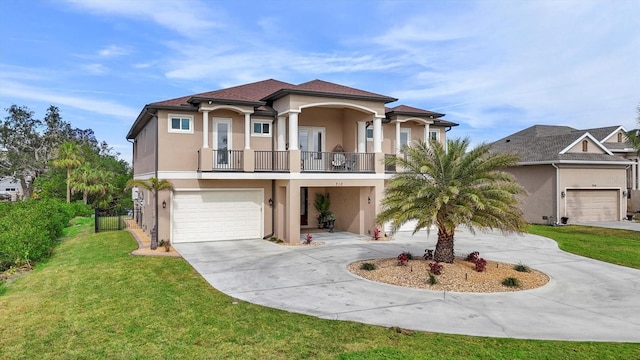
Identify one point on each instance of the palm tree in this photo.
(89, 181)
(68, 158)
(633, 136)
(452, 187)
(154, 185)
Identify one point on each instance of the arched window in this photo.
(619, 137)
(585, 146)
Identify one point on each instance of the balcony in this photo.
(337, 162)
(249, 160)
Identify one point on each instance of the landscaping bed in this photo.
(460, 276)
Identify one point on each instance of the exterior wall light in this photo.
(164, 204)
(562, 193)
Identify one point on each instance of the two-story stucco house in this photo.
(580, 175)
(247, 161)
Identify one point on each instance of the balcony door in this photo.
(221, 141)
(312, 143)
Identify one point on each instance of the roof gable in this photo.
(328, 89)
(573, 147)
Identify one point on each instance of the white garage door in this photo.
(224, 214)
(592, 205)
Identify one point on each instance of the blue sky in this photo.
(495, 67)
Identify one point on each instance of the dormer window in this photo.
(585, 146)
(619, 137)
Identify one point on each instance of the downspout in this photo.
(273, 183)
(556, 192)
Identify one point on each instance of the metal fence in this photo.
(275, 161)
(316, 161)
(109, 220)
(229, 160)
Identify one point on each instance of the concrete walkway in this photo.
(585, 299)
(624, 225)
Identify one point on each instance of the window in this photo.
(261, 128)
(434, 135)
(369, 131)
(181, 124)
(585, 146)
(405, 138)
(619, 137)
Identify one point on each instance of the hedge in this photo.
(29, 229)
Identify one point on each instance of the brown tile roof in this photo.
(327, 89)
(252, 92)
(404, 109)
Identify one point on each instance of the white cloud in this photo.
(187, 17)
(113, 50)
(96, 106)
(96, 69)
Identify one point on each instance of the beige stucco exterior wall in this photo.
(539, 182)
(593, 177)
(144, 159)
(296, 102)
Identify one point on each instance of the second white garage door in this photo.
(224, 214)
(592, 205)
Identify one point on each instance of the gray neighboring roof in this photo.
(543, 143)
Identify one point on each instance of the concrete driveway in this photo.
(585, 299)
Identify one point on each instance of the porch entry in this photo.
(312, 143)
(304, 206)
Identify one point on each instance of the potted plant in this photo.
(331, 219)
(321, 204)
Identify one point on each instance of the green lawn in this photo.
(94, 300)
(620, 247)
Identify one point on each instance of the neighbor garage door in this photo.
(592, 205)
(224, 214)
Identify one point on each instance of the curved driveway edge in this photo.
(585, 300)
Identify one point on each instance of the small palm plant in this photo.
(154, 185)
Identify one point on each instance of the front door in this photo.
(221, 142)
(311, 141)
(304, 206)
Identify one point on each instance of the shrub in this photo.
(428, 254)
(308, 239)
(403, 259)
(521, 267)
(481, 265)
(29, 229)
(432, 279)
(511, 282)
(472, 257)
(409, 255)
(368, 266)
(376, 233)
(435, 268)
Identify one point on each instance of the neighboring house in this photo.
(247, 161)
(583, 175)
(10, 188)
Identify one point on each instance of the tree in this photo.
(154, 185)
(633, 136)
(68, 158)
(451, 188)
(28, 143)
(89, 181)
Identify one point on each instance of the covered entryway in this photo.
(214, 215)
(585, 205)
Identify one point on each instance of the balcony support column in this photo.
(293, 130)
(427, 134)
(398, 148)
(377, 135)
(362, 136)
(247, 131)
(205, 129)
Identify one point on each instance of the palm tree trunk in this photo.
(68, 186)
(444, 247)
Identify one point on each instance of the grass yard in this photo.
(94, 300)
(615, 246)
